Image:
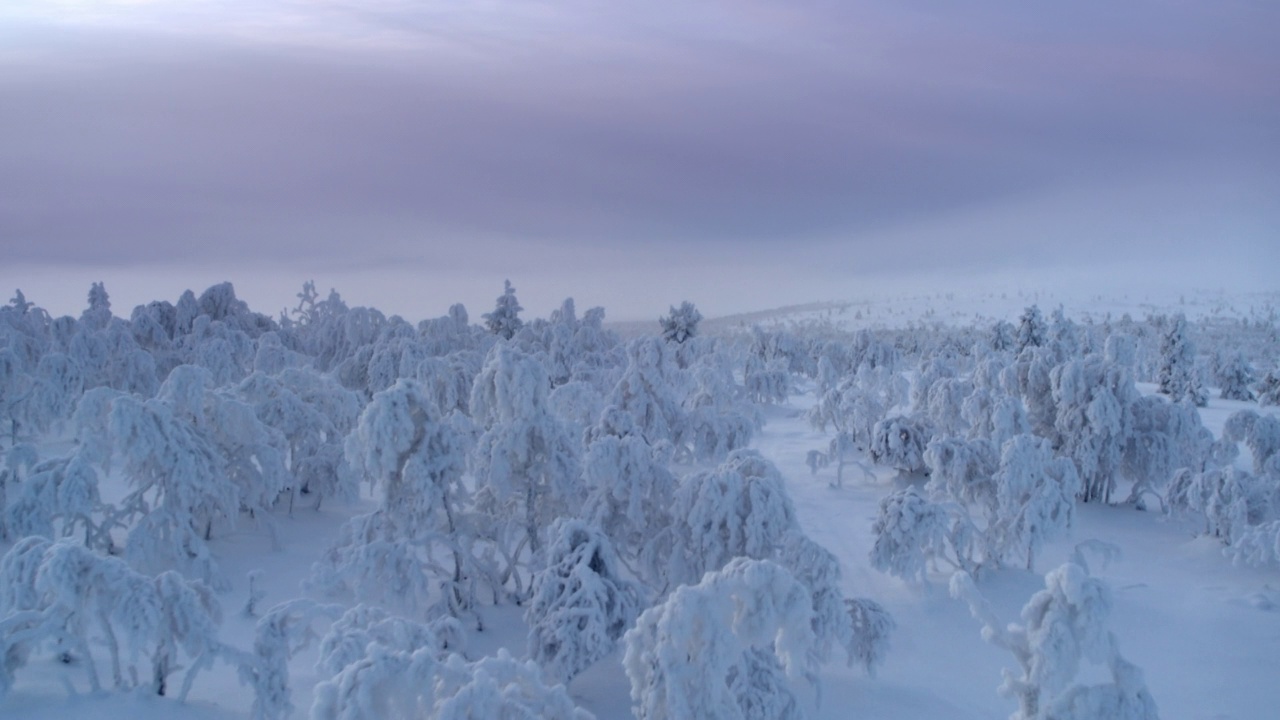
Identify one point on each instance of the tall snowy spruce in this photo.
(1032, 331)
(1177, 375)
(505, 320)
(1234, 375)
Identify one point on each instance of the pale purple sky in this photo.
(738, 153)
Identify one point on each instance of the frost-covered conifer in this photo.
(723, 648)
(681, 324)
(1063, 337)
(98, 314)
(1004, 336)
(1063, 627)
(1031, 329)
(1269, 388)
(505, 320)
(1234, 376)
(580, 604)
(1178, 376)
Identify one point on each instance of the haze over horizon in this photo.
(743, 155)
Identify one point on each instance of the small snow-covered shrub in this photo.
(900, 442)
(910, 531)
(1063, 627)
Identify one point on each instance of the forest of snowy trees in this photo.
(606, 487)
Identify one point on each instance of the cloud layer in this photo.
(795, 146)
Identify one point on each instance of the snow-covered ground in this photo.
(1205, 632)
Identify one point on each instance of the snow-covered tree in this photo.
(312, 413)
(70, 600)
(681, 324)
(1029, 378)
(1178, 376)
(1163, 437)
(1091, 397)
(629, 491)
(58, 498)
(963, 471)
(723, 648)
(910, 533)
(1031, 331)
(525, 464)
(505, 320)
(718, 418)
(580, 604)
(284, 631)
(1003, 336)
(1035, 496)
(391, 684)
(1234, 376)
(1258, 545)
(945, 405)
(1230, 500)
(1063, 627)
(739, 509)
(1268, 388)
(861, 627)
(98, 314)
(413, 550)
(179, 488)
(1260, 433)
(649, 391)
(900, 442)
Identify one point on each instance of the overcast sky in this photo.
(739, 153)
